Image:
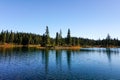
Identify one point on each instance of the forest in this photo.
(22, 38)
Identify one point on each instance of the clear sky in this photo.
(92, 19)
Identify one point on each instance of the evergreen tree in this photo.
(0, 38)
(43, 43)
(25, 40)
(108, 37)
(11, 38)
(30, 39)
(73, 41)
(3, 35)
(68, 38)
(57, 39)
(47, 37)
(60, 38)
(78, 42)
(108, 40)
(7, 36)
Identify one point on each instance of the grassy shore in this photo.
(66, 47)
(16, 45)
(38, 46)
(52, 47)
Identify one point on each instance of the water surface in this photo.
(83, 64)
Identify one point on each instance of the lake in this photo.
(83, 64)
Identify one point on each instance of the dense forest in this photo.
(21, 38)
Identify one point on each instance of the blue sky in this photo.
(92, 19)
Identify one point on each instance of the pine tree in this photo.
(60, 38)
(73, 41)
(3, 35)
(68, 38)
(78, 42)
(108, 37)
(30, 39)
(108, 40)
(11, 37)
(57, 39)
(7, 36)
(47, 37)
(43, 43)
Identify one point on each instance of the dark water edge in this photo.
(84, 64)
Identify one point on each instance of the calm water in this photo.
(83, 64)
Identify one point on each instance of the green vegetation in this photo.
(21, 38)
(46, 38)
(68, 39)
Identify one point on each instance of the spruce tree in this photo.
(3, 33)
(60, 38)
(108, 40)
(7, 36)
(68, 38)
(57, 39)
(47, 37)
(11, 37)
(43, 43)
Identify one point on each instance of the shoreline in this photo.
(38, 46)
(53, 47)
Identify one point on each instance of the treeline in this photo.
(21, 38)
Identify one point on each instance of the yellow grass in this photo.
(38, 46)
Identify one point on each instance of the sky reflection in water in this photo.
(84, 64)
